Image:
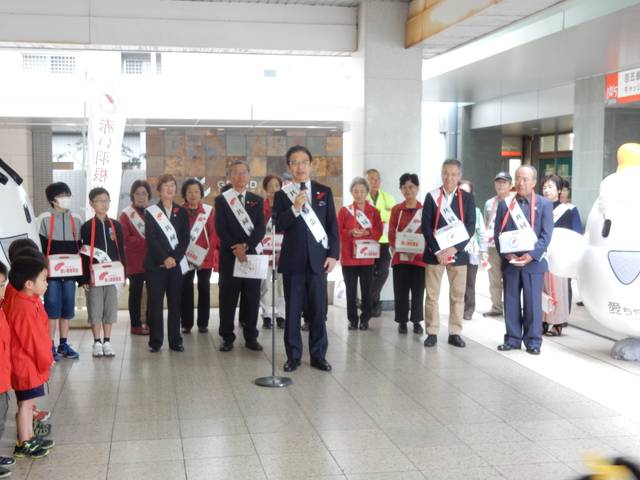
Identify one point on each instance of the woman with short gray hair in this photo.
(360, 228)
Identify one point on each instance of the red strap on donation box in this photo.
(435, 225)
(108, 273)
(532, 213)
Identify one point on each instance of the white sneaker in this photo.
(107, 350)
(97, 349)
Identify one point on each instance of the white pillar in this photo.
(386, 128)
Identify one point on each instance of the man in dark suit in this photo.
(306, 215)
(524, 271)
(445, 209)
(240, 233)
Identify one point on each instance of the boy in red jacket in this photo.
(5, 370)
(30, 350)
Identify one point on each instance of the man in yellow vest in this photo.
(383, 202)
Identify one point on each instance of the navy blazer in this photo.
(569, 219)
(300, 250)
(231, 232)
(543, 228)
(429, 213)
(158, 246)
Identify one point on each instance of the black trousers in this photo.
(163, 282)
(136, 283)
(351, 275)
(204, 300)
(380, 273)
(305, 292)
(408, 279)
(470, 291)
(248, 291)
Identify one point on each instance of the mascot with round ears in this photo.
(16, 214)
(606, 260)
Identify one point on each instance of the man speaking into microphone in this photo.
(306, 216)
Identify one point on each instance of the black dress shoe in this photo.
(533, 351)
(352, 326)
(430, 341)
(376, 310)
(457, 341)
(203, 329)
(280, 322)
(505, 347)
(266, 323)
(226, 347)
(320, 364)
(154, 349)
(417, 328)
(186, 331)
(253, 345)
(177, 348)
(492, 313)
(364, 324)
(402, 327)
(291, 365)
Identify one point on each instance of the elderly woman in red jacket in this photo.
(360, 228)
(200, 255)
(405, 239)
(135, 246)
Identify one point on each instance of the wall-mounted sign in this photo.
(623, 87)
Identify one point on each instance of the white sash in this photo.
(169, 232)
(136, 220)
(560, 210)
(361, 218)
(308, 215)
(200, 223)
(196, 254)
(231, 196)
(100, 255)
(408, 241)
(455, 232)
(524, 238)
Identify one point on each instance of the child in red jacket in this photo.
(30, 350)
(5, 370)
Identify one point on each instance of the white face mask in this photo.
(63, 202)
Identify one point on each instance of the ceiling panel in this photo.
(330, 3)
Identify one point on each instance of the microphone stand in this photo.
(273, 381)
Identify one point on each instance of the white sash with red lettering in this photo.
(408, 242)
(524, 238)
(136, 220)
(167, 228)
(196, 254)
(308, 215)
(455, 232)
(238, 210)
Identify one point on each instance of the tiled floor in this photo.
(390, 410)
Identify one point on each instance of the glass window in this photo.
(548, 143)
(565, 142)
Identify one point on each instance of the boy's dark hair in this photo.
(98, 191)
(29, 252)
(24, 269)
(296, 149)
(409, 177)
(136, 185)
(19, 244)
(55, 189)
(3, 270)
(187, 184)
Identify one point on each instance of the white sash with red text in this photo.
(196, 254)
(167, 228)
(136, 220)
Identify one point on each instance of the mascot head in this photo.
(18, 220)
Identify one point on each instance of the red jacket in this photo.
(5, 353)
(407, 216)
(347, 222)
(135, 245)
(213, 244)
(31, 356)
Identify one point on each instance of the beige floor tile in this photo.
(372, 461)
(47, 472)
(227, 468)
(78, 454)
(147, 471)
(548, 471)
(146, 430)
(220, 446)
(356, 440)
(213, 427)
(291, 464)
(286, 442)
(140, 451)
(430, 458)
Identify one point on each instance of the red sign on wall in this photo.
(623, 87)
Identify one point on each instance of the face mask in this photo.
(64, 202)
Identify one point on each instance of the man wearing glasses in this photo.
(306, 216)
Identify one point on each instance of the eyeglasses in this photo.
(299, 163)
(104, 202)
(239, 174)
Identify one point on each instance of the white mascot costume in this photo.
(16, 214)
(606, 260)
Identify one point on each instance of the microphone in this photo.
(303, 186)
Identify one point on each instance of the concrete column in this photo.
(386, 129)
(589, 142)
(15, 149)
(480, 153)
(42, 167)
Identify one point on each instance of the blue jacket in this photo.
(300, 251)
(543, 228)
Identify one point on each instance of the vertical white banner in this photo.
(104, 147)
